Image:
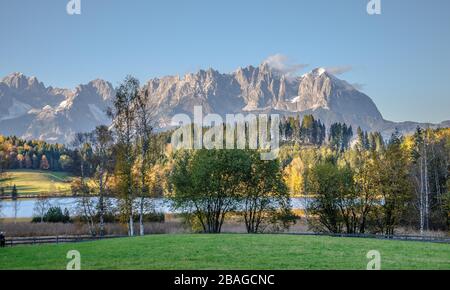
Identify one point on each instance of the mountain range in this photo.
(31, 110)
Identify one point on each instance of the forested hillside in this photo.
(16, 153)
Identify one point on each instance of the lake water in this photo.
(25, 207)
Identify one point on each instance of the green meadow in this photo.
(34, 182)
(230, 251)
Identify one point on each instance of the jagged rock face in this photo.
(263, 89)
(215, 92)
(315, 91)
(259, 87)
(321, 90)
(31, 110)
(19, 94)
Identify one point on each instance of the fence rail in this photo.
(16, 241)
(382, 237)
(10, 242)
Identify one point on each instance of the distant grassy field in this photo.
(230, 251)
(34, 182)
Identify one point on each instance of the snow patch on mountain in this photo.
(295, 99)
(64, 105)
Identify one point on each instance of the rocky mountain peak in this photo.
(320, 71)
(91, 91)
(103, 88)
(34, 111)
(20, 81)
(15, 80)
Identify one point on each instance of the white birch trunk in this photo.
(131, 226)
(141, 217)
(102, 214)
(421, 198)
(427, 193)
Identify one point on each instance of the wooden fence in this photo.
(382, 237)
(17, 241)
(10, 242)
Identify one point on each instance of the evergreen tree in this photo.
(340, 136)
(14, 193)
(361, 139)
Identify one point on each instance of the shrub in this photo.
(54, 215)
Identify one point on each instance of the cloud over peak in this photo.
(338, 70)
(284, 64)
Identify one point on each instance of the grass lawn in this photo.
(230, 251)
(35, 182)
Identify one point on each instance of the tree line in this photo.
(309, 131)
(375, 186)
(355, 184)
(17, 153)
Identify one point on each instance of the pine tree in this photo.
(361, 139)
(366, 141)
(14, 193)
(340, 136)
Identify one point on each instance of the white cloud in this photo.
(283, 64)
(338, 70)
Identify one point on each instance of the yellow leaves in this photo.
(26, 147)
(168, 150)
(157, 179)
(443, 133)
(408, 144)
(294, 176)
(20, 157)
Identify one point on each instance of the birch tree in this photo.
(123, 115)
(103, 160)
(86, 208)
(16, 202)
(41, 207)
(430, 170)
(82, 147)
(420, 159)
(82, 144)
(146, 148)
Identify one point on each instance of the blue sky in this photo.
(401, 58)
